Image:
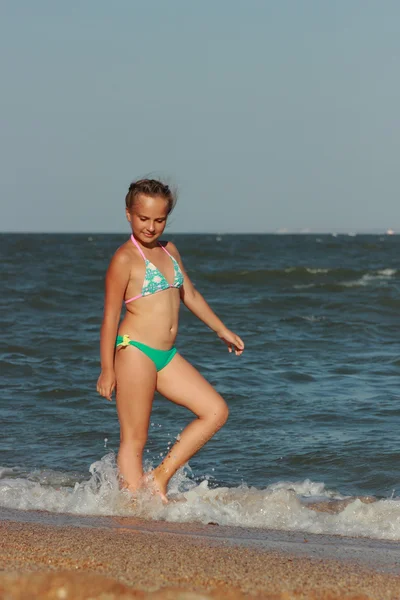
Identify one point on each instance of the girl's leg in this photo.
(136, 380)
(180, 382)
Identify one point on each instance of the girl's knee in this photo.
(221, 413)
(134, 441)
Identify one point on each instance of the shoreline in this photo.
(129, 558)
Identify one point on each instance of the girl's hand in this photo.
(106, 384)
(232, 340)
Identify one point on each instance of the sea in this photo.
(312, 443)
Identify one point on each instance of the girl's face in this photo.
(148, 217)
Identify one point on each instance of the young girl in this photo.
(138, 355)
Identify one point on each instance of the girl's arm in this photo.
(196, 303)
(117, 279)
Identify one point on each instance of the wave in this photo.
(373, 277)
(305, 506)
(305, 276)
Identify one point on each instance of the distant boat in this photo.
(390, 232)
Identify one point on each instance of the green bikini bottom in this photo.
(160, 358)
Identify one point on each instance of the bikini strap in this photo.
(165, 250)
(138, 247)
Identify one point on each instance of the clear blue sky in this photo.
(268, 114)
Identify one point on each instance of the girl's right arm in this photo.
(117, 279)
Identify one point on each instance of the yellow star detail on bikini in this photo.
(125, 341)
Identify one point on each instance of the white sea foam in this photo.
(313, 319)
(310, 270)
(387, 272)
(284, 505)
(304, 286)
(374, 277)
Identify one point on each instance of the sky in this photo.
(268, 115)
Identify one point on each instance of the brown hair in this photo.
(150, 187)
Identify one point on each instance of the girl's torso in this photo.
(152, 296)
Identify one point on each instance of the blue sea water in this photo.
(314, 399)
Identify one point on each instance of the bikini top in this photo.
(154, 280)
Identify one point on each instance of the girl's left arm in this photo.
(196, 303)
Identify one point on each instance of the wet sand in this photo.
(47, 556)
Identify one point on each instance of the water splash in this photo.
(287, 505)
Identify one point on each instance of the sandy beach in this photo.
(49, 556)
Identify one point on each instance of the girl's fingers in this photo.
(239, 343)
(239, 346)
(234, 343)
(105, 394)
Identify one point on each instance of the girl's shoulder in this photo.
(124, 255)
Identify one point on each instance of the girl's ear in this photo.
(128, 215)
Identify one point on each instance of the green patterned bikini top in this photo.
(154, 280)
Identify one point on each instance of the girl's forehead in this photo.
(150, 203)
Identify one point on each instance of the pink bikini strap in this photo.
(138, 247)
(132, 299)
(165, 250)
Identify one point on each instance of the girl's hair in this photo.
(150, 187)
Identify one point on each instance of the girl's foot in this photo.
(150, 481)
(124, 485)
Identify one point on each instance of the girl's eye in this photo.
(160, 220)
(143, 218)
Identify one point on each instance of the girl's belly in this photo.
(153, 320)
